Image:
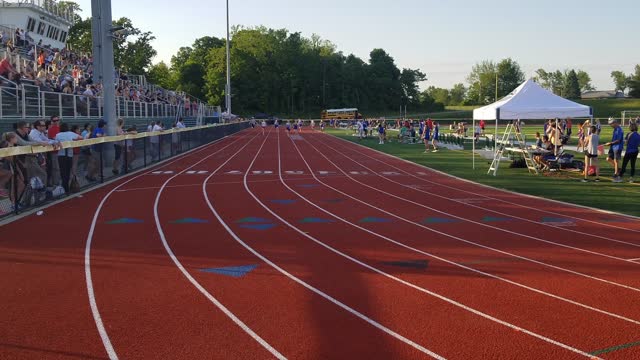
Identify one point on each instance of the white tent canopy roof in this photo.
(531, 101)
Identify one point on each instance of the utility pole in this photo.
(102, 35)
(228, 86)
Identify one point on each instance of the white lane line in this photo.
(186, 273)
(104, 336)
(471, 242)
(403, 245)
(576, 206)
(296, 279)
(423, 290)
(435, 194)
(464, 240)
(476, 222)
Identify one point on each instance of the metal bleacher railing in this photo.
(93, 162)
(29, 102)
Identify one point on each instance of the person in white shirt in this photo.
(263, 125)
(65, 156)
(155, 141)
(591, 153)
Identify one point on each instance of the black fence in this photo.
(31, 180)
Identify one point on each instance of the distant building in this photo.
(40, 20)
(606, 94)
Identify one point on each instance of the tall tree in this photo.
(79, 38)
(634, 83)
(482, 80)
(457, 94)
(510, 76)
(439, 95)
(620, 80)
(543, 78)
(585, 81)
(160, 74)
(572, 87)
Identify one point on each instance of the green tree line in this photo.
(276, 71)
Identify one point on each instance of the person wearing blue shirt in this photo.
(436, 134)
(615, 149)
(631, 155)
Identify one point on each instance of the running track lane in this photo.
(294, 320)
(495, 262)
(444, 328)
(590, 220)
(140, 291)
(44, 295)
(576, 233)
(593, 262)
(507, 295)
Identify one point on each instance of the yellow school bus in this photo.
(340, 114)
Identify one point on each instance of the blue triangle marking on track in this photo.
(284, 202)
(495, 219)
(233, 271)
(189, 221)
(316, 220)
(375, 220)
(415, 264)
(125, 221)
(258, 226)
(253, 220)
(437, 220)
(555, 220)
(308, 186)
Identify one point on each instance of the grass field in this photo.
(563, 186)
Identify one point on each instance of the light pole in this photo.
(228, 86)
(103, 33)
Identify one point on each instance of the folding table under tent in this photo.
(532, 102)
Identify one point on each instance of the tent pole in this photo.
(473, 149)
(555, 141)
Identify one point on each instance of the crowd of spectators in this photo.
(69, 72)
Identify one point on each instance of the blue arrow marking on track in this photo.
(416, 264)
(190, 221)
(253, 220)
(283, 202)
(258, 226)
(375, 219)
(125, 221)
(233, 271)
(316, 220)
(436, 220)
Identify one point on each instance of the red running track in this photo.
(311, 247)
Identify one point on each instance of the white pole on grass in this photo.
(555, 141)
(473, 148)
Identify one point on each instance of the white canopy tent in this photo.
(529, 101)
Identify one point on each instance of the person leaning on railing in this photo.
(35, 174)
(65, 156)
(11, 176)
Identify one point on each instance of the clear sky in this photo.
(441, 38)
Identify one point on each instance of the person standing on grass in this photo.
(381, 134)
(631, 155)
(436, 133)
(426, 136)
(615, 150)
(591, 143)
